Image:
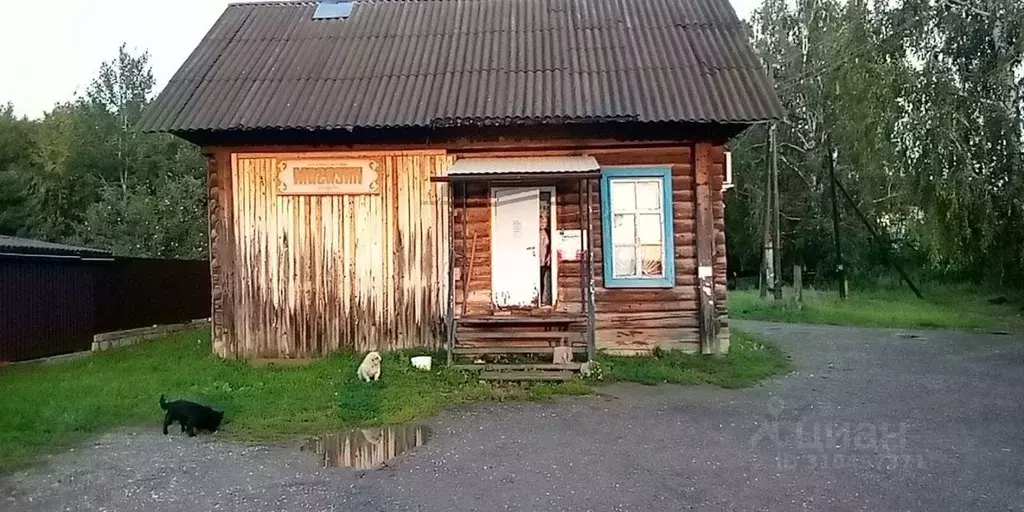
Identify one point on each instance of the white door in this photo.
(515, 240)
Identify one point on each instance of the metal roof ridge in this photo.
(273, 3)
(313, 2)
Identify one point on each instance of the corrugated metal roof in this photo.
(424, 63)
(25, 246)
(523, 165)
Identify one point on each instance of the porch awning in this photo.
(522, 168)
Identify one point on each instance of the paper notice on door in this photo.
(570, 244)
(517, 228)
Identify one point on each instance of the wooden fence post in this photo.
(798, 282)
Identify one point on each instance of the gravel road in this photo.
(871, 420)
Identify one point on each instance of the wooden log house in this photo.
(384, 174)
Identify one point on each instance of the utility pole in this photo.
(886, 246)
(767, 254)
(777, 236)
(830, 161)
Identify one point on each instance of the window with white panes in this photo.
(637, 227)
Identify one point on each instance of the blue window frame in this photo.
(636, 224)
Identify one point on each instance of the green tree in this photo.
(15, 136)
(151, 199)
(164, 219)
(85, 174)
(921, 102)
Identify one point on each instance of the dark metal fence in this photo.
(51, 306)
(46, 307)
(140, 292)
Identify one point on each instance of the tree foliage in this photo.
(84, 174)
(921, 102)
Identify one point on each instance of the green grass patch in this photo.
(947, 307)
(48, 407)
(750, 360)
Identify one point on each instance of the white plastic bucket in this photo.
(421, 362)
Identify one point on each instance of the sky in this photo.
(51, 49)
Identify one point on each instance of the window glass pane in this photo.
(648, 195)
(623, 195)
(635, 223)
(651, 257)
(649, 228)
(625, 261)
(623, 229)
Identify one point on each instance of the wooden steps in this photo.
(518, 367)
(513, 350)
(491, 335)
(515, 335)
(527, 375)
(478, 321)
(523, 372)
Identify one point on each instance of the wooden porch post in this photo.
(705, 222)
(450, 313)
(591, 343)
(464, 273)
(583, 258)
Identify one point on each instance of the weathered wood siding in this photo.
(721, 272)
(301, 276)
(626, 320)
(222, 253)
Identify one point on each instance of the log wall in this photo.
(301, 276)
(627, 321)
(297, 276)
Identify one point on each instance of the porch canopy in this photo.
(521, 169)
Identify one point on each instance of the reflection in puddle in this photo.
(366, 448)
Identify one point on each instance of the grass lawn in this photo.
(750, 360)
(943, 307)
(48, 407)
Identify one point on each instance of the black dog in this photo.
(191, 416)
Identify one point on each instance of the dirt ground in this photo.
(870, 420)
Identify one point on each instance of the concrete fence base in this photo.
(109, 340)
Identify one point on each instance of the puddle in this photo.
(366, 448)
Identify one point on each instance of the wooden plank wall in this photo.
(627, 321)
(315, 274)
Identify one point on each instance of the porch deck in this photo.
(488, 342)
(519, 342)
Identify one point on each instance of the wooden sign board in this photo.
(327, 176)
